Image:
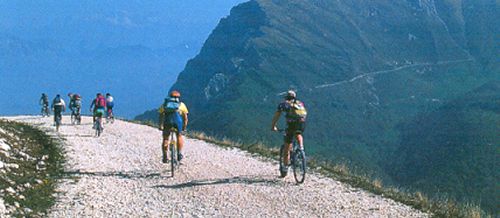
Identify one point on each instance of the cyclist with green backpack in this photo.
(296, 123)
(173, 114)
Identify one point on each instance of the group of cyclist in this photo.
(100, 106)
(174, 115)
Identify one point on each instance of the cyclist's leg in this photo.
(287, 146)
(180, 141)
(166, 140)
(298, 133)
(293, 130)
(56, 112)
(93, 114)
(100, 115)
(180, 138)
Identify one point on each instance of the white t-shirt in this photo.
(109, 99)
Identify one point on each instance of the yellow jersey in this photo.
(183, 110)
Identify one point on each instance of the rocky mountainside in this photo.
(362, 68)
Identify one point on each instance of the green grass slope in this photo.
(455, 149)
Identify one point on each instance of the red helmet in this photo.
(175, 94)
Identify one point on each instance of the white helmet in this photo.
(291, 94)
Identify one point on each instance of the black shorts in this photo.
(168, 126)
(294, 128)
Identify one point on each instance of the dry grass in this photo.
(341, 172)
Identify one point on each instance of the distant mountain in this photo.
(132, 49)
(363, 68)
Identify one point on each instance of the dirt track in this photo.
(120, 175)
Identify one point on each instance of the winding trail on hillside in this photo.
(120, 175)
(396, 69)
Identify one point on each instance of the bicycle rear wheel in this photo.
(173, 158)
(98, 127)
(299, 165)
(58, 122)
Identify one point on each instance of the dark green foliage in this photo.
(455, 149)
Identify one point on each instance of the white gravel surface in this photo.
(120, 175)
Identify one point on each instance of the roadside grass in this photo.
(32, 167)
(437, 207)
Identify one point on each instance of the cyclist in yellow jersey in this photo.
(173, 114)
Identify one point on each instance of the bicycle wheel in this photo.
(283, 167)
(173, 156)
(98, 127)
(299, 165)
(58, 122)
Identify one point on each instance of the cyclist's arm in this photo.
(185, 119)
(184, 113)
(92, 105)
(64, 105)
(161, 117)
(276, 117)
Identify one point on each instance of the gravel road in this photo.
(120, 175)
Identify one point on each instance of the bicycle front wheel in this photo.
(299, 166)
(283, 167)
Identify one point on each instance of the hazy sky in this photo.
(134, 49)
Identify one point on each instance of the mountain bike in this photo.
(76, 117)
(45, 110)
(98, 126)
(110, 118)
(174, 163)
(58, 120)
(297, 160)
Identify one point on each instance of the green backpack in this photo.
(297, 110)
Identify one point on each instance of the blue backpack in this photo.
(171, 110)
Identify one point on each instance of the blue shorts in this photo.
(172, 122)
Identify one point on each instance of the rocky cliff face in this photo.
(362, 68)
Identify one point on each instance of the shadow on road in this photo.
(125, 174)
(78, 135)
(232, 180)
